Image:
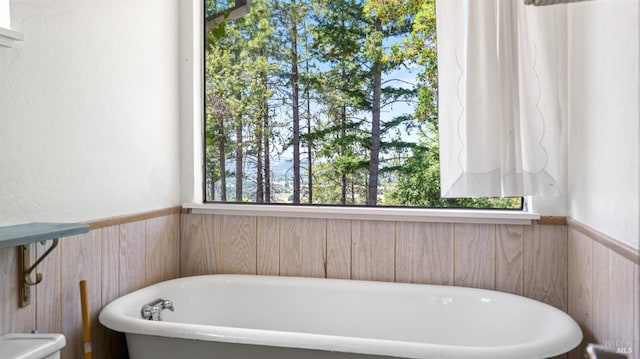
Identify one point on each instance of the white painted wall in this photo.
(89, 123)
(89, 109)
(5, 14)
(604, 117)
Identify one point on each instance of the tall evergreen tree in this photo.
(290, 15)
(339, 32)
(315, 79)
(237, 65)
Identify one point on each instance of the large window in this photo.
(328, 102)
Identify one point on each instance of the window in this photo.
(330, 102)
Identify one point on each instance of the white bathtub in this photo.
(234, 316)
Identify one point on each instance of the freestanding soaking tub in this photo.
(237, 316)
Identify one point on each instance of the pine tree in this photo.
(237, 71)
(338, 33)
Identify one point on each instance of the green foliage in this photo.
(234, 92)
(419, 184)
(339, 47)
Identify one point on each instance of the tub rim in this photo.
(552, 344)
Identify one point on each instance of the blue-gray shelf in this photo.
(17, 235)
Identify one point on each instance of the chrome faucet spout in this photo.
(153, 310)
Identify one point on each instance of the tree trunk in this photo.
(353, 190)
(239, 159)
(263, 192)
(295, 106)
(309, 141)
(372, 193)
(343, 133)
(309, 152)
(261, 124)
(223, 160)
(259, 181)
(239, 144)
(266, 132)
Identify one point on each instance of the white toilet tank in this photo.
(31, 346)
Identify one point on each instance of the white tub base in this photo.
(235, 316)
(147, 347)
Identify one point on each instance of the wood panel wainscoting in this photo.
(529, 260)
(556, 260)
(117, 256)
(550, 260)
(604, 289)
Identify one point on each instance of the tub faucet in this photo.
(153, 310)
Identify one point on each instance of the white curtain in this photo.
(502, 98)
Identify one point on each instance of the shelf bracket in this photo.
(27, 268)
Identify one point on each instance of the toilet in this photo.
(31, 346)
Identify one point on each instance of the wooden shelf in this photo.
(7, 37)
(13, 236)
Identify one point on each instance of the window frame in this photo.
(478, 216)
(192, 47)
(241, 8)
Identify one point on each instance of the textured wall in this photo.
(89, 110)
(604, 108)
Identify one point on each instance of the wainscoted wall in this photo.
(550, 262)
(604, 289)
(569, 266)
(529, 260)
(115, 257)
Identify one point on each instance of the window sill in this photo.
(376, 214)
(7, 37)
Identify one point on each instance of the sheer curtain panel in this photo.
(502, 98)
